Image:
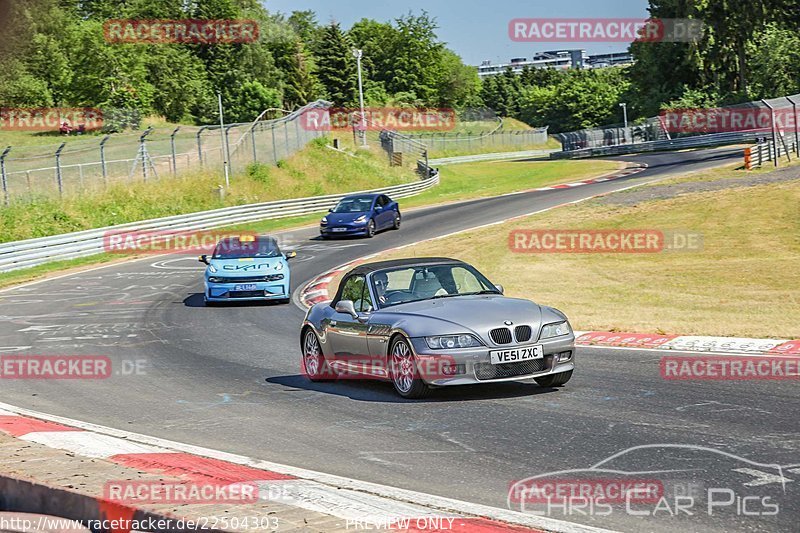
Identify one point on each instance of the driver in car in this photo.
(381, 281)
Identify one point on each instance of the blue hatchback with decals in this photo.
(245, 268)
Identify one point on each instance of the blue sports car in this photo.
(361, 214)
(247, 268)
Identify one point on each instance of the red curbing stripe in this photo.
(641, 340)
(316, 284)
(116, 514)
(19, 426)
(565, 186)
(195, 467)
(787, 348)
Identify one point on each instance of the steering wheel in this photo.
(395, 297)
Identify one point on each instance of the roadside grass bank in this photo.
(467, 181)
(315, 171)
(744, 280)
(487, 145)
(458, 185)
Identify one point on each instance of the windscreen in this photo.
(354, 205)
(415, 283)
(236, 249)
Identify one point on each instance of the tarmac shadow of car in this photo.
(382, 391)
(196, 300)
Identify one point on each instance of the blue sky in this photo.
(476, 29)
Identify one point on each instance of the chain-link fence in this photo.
(497, 140)
(652, 129)
(96, 162)
(774, 118)
(402, 150)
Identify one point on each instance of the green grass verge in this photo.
(475, 180)
(488, 145)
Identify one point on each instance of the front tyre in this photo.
(554, 380)
(314, 364)
(403, 371)
(370, 231)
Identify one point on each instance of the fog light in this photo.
(452, 370)
(564, 356)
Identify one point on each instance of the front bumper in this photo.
(224, 292)
(343, 229)
(434, 365)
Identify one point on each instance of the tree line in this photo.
(54, 54)
(748, 51)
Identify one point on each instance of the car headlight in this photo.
(558, 329)
(212, 279)
(324, 220)
(449, 342)
(362, 218)
(212, 269)
(279, 266)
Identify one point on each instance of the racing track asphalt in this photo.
(228, 378)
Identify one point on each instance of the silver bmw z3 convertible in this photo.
(423, 323)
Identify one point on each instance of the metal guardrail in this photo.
(699, 141)
(763, 152)
(33, 252)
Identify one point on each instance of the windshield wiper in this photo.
(487, 291)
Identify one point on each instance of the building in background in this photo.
(561, 59)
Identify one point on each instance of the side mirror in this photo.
(290, 255)
(203, 259)
(330, 210)
(500, 288)
(378, 209)
(346, 307)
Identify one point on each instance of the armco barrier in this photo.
(765, 151)
(699, 141)
(33, 252)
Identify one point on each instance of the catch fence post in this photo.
(103, 167)
(3, 173)
(59, 177)
(172, 147)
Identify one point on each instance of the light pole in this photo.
(225, 154)
(363, 132)
(624, 107)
